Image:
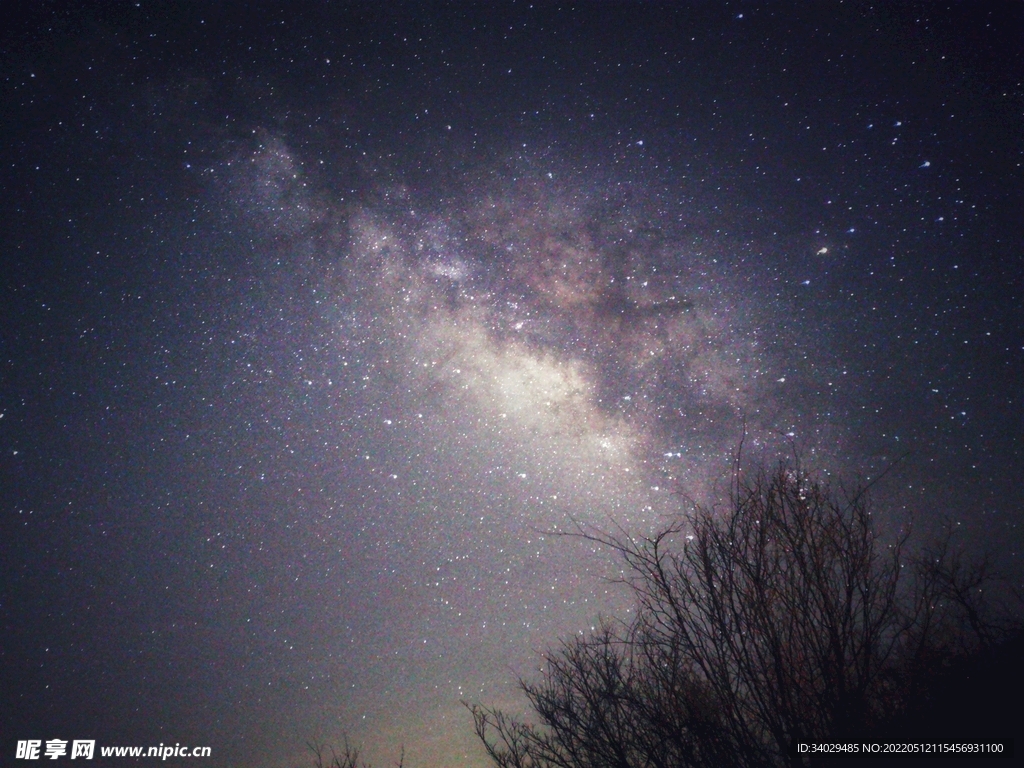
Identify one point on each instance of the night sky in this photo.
(316, 321)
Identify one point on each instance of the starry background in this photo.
(316, 321)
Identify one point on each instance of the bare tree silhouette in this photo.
(784, 617)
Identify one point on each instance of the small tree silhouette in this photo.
(349, 757)
(783, 618)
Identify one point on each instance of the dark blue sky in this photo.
(312, 316)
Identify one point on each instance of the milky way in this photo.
(489, 371)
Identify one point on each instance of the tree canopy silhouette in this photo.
(784, 617)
